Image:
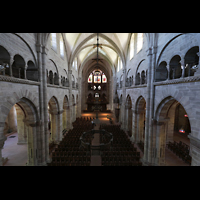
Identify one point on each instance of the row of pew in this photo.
(181, 150)
(122, 152)
(68, 152)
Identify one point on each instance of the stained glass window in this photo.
(97, 79)
(90, 78)
(104, 79)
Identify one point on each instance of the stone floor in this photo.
(96, 159)
(16, 153)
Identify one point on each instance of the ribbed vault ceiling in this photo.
(81, 45)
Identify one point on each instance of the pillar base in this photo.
(194, 150)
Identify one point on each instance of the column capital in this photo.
(149, 51)
(39, 48)
(44, 50)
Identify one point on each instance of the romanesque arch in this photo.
(66, 113)
(22, 117)
(128, 110)
(171, 124)
(140, 109)
(54, 120)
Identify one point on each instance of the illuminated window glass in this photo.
(99, 87)
(75, 64)
(132, 47)
(97, 73)
(61, 47)
(97, 95)
(97, 79)
(53, 41)
(119, 64)
(90, 78)
(139, 41)
(95, 87)
(104, 79)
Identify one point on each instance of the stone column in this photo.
(134, 126)
(25, 68)
(123, 110)
(183, 70)
(148, 144)
(11, 62)
(70, 97)
(148, 109)
(197, 73)
(79, 98)
(46, 132)
(2, 140)
(160, 142)
(41, 144)
(59, 129)
(12, 119)
(168, 69)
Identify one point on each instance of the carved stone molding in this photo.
(17, 80)
(180, 80)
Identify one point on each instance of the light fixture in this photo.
(3, 66)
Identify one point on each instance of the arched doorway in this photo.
(73, 113)
(120, 111)
(191, 61)
(140, 119)
(20, 131)
(172, 127)
(129, 114)
(76, 106)
(175, 67)
(66, 114)
(5, 62)
(54, 120)
(18, 67)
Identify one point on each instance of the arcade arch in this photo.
(172, 124)
(22, 121)
(54, 120)
(128, 110)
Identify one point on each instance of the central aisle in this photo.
(95, 156)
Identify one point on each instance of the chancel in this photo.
(140, 89)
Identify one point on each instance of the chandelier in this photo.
(97, 45)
